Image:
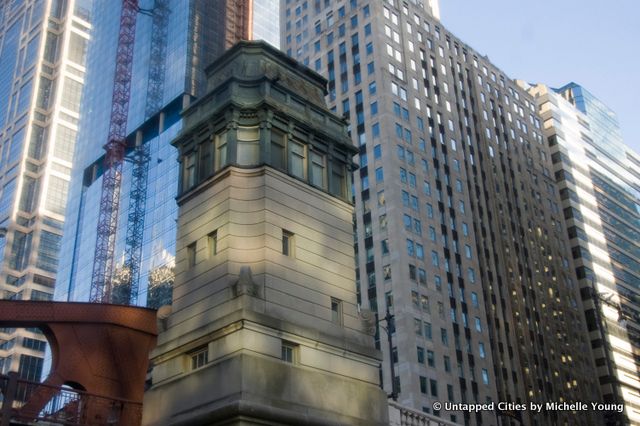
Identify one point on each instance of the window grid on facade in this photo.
(57, 194)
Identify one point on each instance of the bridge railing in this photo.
(64, 406)
(399, 415)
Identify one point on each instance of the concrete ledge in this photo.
(247, 389)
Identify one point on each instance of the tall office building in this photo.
(174, 42)
(458, 217)
(599, 183)
(43, 47)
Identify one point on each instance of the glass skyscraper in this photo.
(43, 45)
(599, 181)
(190, 34)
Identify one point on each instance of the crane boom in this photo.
(141, 155)
(101, 279)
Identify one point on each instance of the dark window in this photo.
(191, 255)
(287, 243)
(212, 241)
(288, 352)
(336, 311)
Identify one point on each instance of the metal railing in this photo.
(26, 402)
(399, 415)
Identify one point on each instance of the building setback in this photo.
(175, 41)
(600, 190)
(43, 48)
(459, 222)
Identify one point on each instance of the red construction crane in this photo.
(238, 24)
(140, 156)
(101, 279)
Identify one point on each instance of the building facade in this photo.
(599, 185)
(174, 43)
(265, 300)
(43, 47)
(459, 225)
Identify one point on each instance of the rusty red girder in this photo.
(102, 349)
(115, 147)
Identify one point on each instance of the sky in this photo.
(593, 43)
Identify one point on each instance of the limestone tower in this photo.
(264, 325)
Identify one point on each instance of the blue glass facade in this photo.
(599, 182)
(266, 21)
(616, 179)
(603, 121)
(42, 64)
(84, 198)
(195, 35)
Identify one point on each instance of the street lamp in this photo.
(388, 318)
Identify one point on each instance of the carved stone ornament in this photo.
(368, 318)
(245, 284)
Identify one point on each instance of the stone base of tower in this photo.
(250, 384)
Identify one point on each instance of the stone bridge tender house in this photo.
(264, 324)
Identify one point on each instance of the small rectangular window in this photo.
(336, 311)
(288, 352)
(199, 358)
(191, 255)
(212, 242)
(277, 149)
(431, 359)
(189, 170)
(221, 150)
(433, 384)
(318, 170)
(248, 146)
(206, 155)
(338, 179)
(485, 376)
(287, 243)
(296, 159)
